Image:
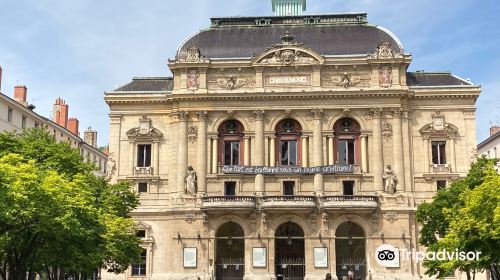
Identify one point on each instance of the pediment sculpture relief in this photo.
(439, 127)
(288, 53)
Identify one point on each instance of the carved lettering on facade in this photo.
(299, 80)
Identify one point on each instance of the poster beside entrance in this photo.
(259, 256)
(320, 257)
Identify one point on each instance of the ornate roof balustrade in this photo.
(288, 201)
(349, 202)
(228, 202)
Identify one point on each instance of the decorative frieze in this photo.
(232, 82)
(347, 80)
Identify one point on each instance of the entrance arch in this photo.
(230, 252)
(350, 250)
(289, 256)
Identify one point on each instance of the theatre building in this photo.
(289, 147)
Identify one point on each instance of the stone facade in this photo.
(360, 110)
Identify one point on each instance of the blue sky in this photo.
(78, 49)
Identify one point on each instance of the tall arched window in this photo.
(347, 142)
(231, 142)
(288, 132)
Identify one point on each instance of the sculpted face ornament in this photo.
(287, 57)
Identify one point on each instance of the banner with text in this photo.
(285, 170)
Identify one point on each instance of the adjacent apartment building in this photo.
(16, 114)
(287, 147)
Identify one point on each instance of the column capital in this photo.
(363, 135)
(215, 137)
(202, 115)
(259, 114)
(246, 137)
(376, 111)
(305, 136)
(396, 112)
(182, 115)
(317, 113)
(272, 136)
(451, 137)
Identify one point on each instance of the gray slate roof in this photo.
(434, 79)
(241, 41)
(149, 84)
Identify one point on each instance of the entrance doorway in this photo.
(350, 251)
(289, 254)
(230, 252)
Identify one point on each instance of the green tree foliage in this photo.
(56, 217)
(464, 217)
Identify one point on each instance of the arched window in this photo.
(231, 142)
(288, 132)
(347, 133)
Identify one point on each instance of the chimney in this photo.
(73, 126)
(20, 94)
(494, 129)
(60, 112)
(90, 137)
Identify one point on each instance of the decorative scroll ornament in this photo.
(232, 82)
(385, 76)
(192, 82)
(391, 217)
(193, 56)
(144, 130)
(192, 134)
(384, 51)
(439, 127)
(346, 80)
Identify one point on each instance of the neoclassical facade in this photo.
(287, 147)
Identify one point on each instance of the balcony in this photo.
(288, 201)
(356, 202)
(441, 168)
(144, 171)
(228, 202)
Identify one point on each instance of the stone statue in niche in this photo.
(190, 180)
(390, 180)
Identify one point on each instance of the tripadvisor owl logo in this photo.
(387, 255)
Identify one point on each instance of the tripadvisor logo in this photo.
(389, 256)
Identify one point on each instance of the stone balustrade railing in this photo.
(349, 201)
(142, 171)
(288, 201)
(228, 202)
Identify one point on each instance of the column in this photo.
(318, 149)
(378, 158)
(246, 156)
(259, 149)
(331, 155)
(305, 151)
(453, 162)
(397, 149)
(182, 150)
(407, 150)
(133, 153)
(156, 157)
(202, 152)
(215, 145)
(427, 144)
(364, 155)
(272, 150)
